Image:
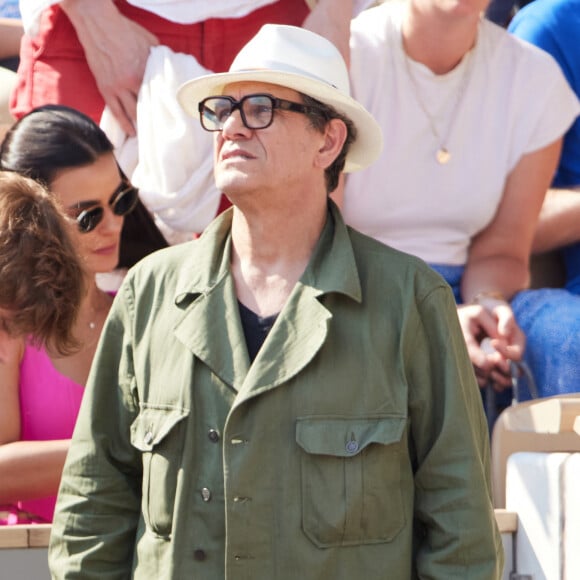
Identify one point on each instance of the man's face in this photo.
(266, 161)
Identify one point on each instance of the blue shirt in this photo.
(554, 26)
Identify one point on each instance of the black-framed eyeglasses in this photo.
(256, 111)
(122, 202)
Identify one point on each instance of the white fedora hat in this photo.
(298, 59)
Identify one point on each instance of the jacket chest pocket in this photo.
(351, 479)
(156, 433)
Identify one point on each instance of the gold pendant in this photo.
(443, 156)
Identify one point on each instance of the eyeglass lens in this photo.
(256, 111)
(122, 202)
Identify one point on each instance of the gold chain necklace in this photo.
(442, 155)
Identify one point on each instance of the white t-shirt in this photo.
(515, 101)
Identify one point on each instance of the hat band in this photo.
(278, 67)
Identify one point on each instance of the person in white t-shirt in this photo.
(473, 121)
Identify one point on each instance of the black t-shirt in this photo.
(256, 329)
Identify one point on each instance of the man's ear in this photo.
(335, 135)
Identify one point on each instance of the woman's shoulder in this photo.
(508, 47)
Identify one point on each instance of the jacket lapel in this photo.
(211, 330)
(296, 337)
(210, 327)
(302, 327)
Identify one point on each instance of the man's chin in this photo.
(234, 186)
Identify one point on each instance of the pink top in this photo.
(49, 404)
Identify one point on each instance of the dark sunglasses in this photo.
(122, 202)
(256, 111)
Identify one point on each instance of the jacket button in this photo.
(205, 494)
(148, 438)
(352, 446)
(213, 435)
(199, 555)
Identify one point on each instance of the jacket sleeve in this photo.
(99, 500)
(454, 521)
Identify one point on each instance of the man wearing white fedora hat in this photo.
(284, 397)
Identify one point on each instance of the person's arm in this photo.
(498, 266)
(11, 32)
(11, 352)
(30, 469)
(99, 501)
(457, 536)
(331, 19)
(559, 219)
(116, 50)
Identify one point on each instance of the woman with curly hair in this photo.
(43, 369)
(40, 273)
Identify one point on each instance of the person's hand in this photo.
(492, 319)
(116, 50)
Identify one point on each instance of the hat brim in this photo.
(363, 152)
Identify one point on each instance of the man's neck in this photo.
(438, 40)
(271, 251)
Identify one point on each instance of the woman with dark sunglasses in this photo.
(41, 389)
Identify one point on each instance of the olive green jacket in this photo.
(354, 446)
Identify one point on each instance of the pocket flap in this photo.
(347, 436)
(153, 424)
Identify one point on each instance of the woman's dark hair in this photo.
(49, 139)
(319, 117)
(41, 276)
(53, 138)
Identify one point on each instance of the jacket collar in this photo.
(210, 262)
(211, 328)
